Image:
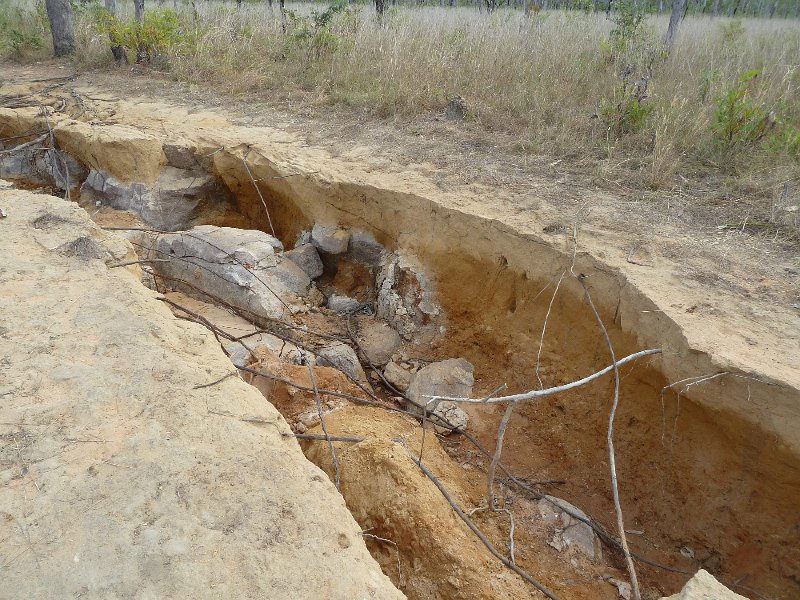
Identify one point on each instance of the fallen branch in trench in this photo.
(318, 400)
(324, 438)
(260, 195)
(530, 395)
(469, 523)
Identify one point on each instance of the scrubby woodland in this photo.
(702, 95)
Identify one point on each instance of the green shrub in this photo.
(157, 34)
(739, 122)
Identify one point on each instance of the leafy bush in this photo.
(22, 31)
(732, 33)
(740, 122)
(315, 35)
(157, 34)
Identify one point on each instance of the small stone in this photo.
(300, 427)
(307, 258)
(397, 376)
(341, 356)
(451, 413)
(343, 304)
(703, 586)
(378, 341)
(330, 239)
(570, 532)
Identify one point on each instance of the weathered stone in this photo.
(174, 201)
(450, 378)
(343, 304)
(341, 356)
(405, 297)
(364, 249)
(449, 412)
(399, 377)
(237, 265)
(703, 586)
(570, 532)
(307, 258)
(330, 239)
(378, 341)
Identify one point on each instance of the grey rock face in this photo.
(176, 199)
(364, 249)
(238, 265)
(307, 258)
(405, 297)
(330, 239)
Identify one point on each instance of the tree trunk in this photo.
(282, 6)
(715, 8)
(380, 7)
(59, 13)
(138, 14)
(118, 52)
(678, 8)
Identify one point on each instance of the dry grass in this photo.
(538, 81)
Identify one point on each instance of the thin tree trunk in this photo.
(715, 8)
(59, 13)
(138, 14)
(380, 7)
(282, 6)
(678, 8)
(118, 52)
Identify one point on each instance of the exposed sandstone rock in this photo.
(176, 199)
(405, 296)
(128, 479)
(399, 377)
(341, 356)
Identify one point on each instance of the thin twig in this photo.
(260, 195)
(521, 572)
(324, 438)
(318, 400)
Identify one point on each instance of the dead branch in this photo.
(260, 195)
(611, 458)
(521, 572)
(318, 400)
(15, 149)
(553, 390)
(324, 438)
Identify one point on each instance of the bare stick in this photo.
(23, 146)
(260, 195)
(318, 400)
(324, 438)
(611, 458)
(521, 572)
(372, 536)
(558, 389)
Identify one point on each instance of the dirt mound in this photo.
(124, 473)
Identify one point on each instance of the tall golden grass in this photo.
(540, 81)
